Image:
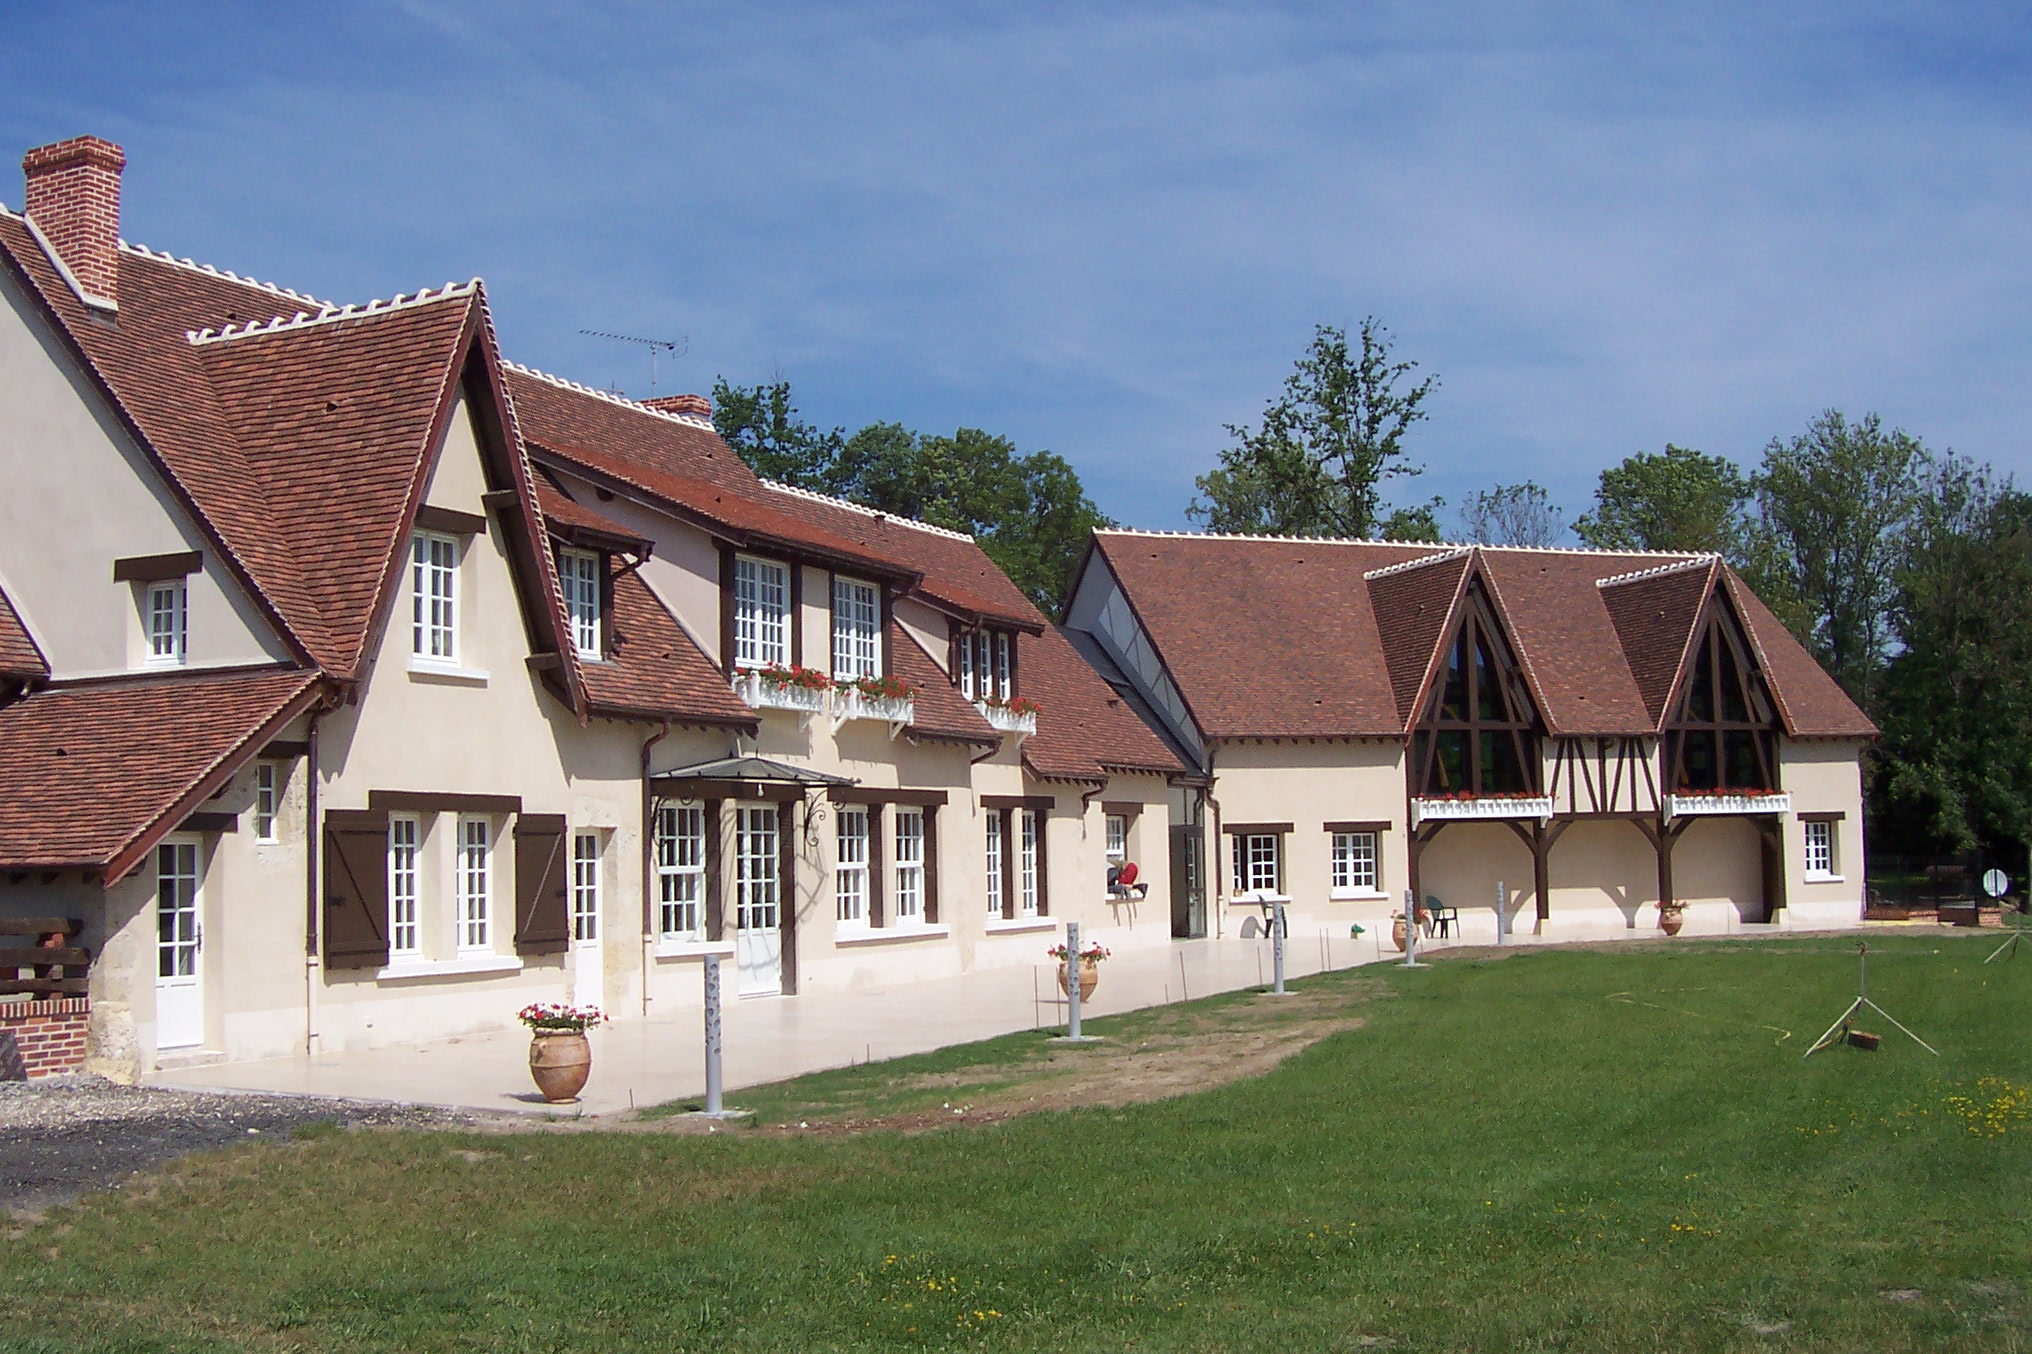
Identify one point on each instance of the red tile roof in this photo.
(576, 524)
(942, 713)
(19, 656)
(1275, 638)
(98, 771)
(654, 670)
(1085, 731)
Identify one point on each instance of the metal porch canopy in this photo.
(743, 778)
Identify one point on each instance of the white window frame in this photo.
(476, 885)
(909, 866)
(1030, 880)
(967, 665)
(268, 786)
(1000, 643)
(1822, 843)
(995, 848)
(434, 602)
(166, 617)
(1259, 862)
(850, 868)
(1357, 868)
(857, 629)
(680, 872)
(405, 886)
(585, 882)
(579, 574)
(761, 612)
(1117, 838)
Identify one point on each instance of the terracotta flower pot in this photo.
(1090, 978)
(1399, 932)
(1670, 922)
(560, 1061)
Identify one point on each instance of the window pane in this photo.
(475, 884)
(680, 869)
(579, 571)
(909, 864)
(756, 867)
(1700, 691)
(994, 863)
(851, 883)
(403, 936)
(1118, 838)
(1502, 771)
(586, 886)
(857, 626)
(1028, 864)
(1453, 702)
(761, 605)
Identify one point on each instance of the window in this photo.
(476, 892)
(1032, 877)
(850, 877)
(1722, 739)
(434, 585)
(1479, 734)
(579, 572)
(756, 872)
(857, 630)
(404, 936)
(966, 647)
(177, 935)
(1118, 838)
(909, 866)
(995, 865)
(1820, 857)
(585, 886)
(267, 794)
(1354, 863)
(1003, 671)
(680, 870)
(761, 613)
(167, 638)
(1258, 863)
(987, 665)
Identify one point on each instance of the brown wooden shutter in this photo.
(542, 923)
(356, 888)
(931, 864)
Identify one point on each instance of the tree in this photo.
(1679, 500)
(1315, 465)
(762, 425)
(1512, 514)
(1417, 523)
(1833, 504)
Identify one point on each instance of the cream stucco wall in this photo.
(80, 494)
(1824, 777)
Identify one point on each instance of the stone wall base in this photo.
(48, 1037)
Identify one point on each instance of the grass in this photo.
(1581, 1150)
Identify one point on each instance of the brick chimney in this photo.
(74, 200)
(682, 404)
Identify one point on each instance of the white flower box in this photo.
(1006, 720)
(762, 695)
(1688, 806)
(1484, 807)
(851, 704)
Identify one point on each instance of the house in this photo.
(359, 687)
(1594, 731)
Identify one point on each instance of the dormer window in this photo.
(1479, 735)
(579, 574)
(985, 664)
(761, 613)
(168, 628)
(1722, 739)
(857, 629)
(434, 585)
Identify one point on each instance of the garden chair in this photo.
(1440, 920)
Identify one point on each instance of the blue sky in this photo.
(1108, 230)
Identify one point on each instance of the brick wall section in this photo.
(50, 1034)
(74, 199)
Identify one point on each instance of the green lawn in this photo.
(1581, 1150)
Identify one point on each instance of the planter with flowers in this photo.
(777, 687)
(1688, 803)
(1400, 933)
(888, 699)
(1089, 968)
(560, 1059)
(1015, 715)
(1671, 916)
(1466, 804)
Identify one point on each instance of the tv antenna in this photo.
(1843, 1028)
(675, 347)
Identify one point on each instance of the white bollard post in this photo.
(1072, 981)
(1411, 930)
(1277, 946)
(1502, 911)
(712, 976)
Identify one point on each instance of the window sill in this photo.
(465, 965)
(885, 935)
(424, 671)
(694, 949)
(1356, 895)
(1020, 925)
(1822, 879)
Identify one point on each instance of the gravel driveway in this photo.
(65, 1136)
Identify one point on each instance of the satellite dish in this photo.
(1996, 883)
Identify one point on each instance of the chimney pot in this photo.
(74, 200)
(682, 404)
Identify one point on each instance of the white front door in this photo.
(758, 917)
(179, 942)
(588, 970)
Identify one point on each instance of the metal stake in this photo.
(1072, 981)
(1411, 930)
(1502, 911)
(1277, 947)
(712, 976)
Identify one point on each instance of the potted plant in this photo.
(885, 688)
(1671, 916)
(1015, 705)
(811, 679)
(1089, 967)
(560, 1059)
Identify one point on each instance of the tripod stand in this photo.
(2009, 948)
(1840, 1029)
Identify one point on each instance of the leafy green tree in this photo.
(1417, 523)
(762, 425)
(1681, 499)
(1833, 504)
(1512, 514)
(1955, 762)
(1314, 466)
